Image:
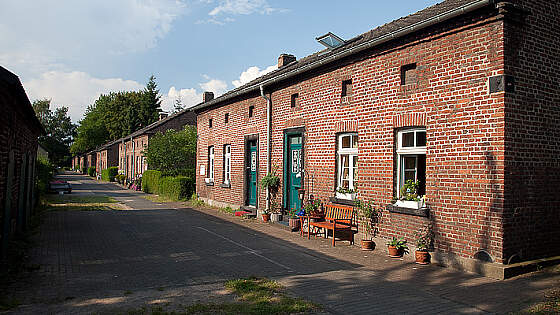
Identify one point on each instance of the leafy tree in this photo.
(178, 105)
(150, 106)
(117, 115)
(59, 131)
(173, 152)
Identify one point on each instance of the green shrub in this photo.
(150, 181)
(91, 171)
(176, 188)
(109, 174)
(84, 170)
(45, 171)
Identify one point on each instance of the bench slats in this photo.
(336, 218)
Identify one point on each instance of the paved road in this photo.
(103, 260)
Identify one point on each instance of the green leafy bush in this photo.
(173, 152)
(91, 171)
(45, 171)
(150, 181)
(109, 174)
(176, 188)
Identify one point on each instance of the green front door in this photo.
(252, 174)
(294, 170)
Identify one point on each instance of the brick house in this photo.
(107, 156)
(75, 162)
(131, 160)
(19, 132)
(91, 159)
(462, 97)
(82, 162)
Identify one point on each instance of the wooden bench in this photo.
(337, 218)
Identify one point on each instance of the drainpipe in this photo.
(268, 140)
(132, 162)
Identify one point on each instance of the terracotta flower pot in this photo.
(294, 224)
(266, 217)
(394, 252)
(422, 257)
(368, 245)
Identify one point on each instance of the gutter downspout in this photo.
(268, 140)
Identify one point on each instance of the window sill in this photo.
(224, 185)
(422, 212)
(208, 182)
(346, 202)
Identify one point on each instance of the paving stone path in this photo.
(108, 261)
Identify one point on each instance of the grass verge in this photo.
(256, 296)
(157, 198)
(80, 203)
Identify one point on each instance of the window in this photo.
(226, 118)
(411, 153)
(227, 164)
(210, 123)
(251, 111)
(347, 158)
(347, 88)
(294, 101)
(408, 74)
(211, 164)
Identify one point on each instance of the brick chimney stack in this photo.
(285, 59)
(207, 96)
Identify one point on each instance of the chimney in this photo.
(285, 59)
(163, 115)
(207, 96)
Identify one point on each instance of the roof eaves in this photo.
(353, 46)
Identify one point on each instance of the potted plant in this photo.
(293, 220)
(368, 212)
(345, 193)
(313, 207)
(265, 215)
(409, 197)
(397, 247)
(275, 216)
(423, 243)
(270, 183)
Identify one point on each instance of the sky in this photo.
(72, 51)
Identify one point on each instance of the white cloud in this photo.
(252, 73)
(238, 7)
(191, 97)
(44, 35)
(244, 7)
(219, 87)
(76, 90)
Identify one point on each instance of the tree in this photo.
(116, 115)
(173, 152)
(150, 105)
(178, 105)
(59, 130)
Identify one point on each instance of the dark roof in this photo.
(387, 29)
(12, 83)
(144, 130)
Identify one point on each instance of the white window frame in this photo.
(211, 157)
(403, 152)
(227, 164)
(351, 152)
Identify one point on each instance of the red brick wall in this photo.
(233, 133)
(465, 130)
(18, 134)
(532, 203)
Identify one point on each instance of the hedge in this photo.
(175, 188)
(91, 171)
(109, 174)
(150, 181)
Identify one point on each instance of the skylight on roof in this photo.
(330, 40)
